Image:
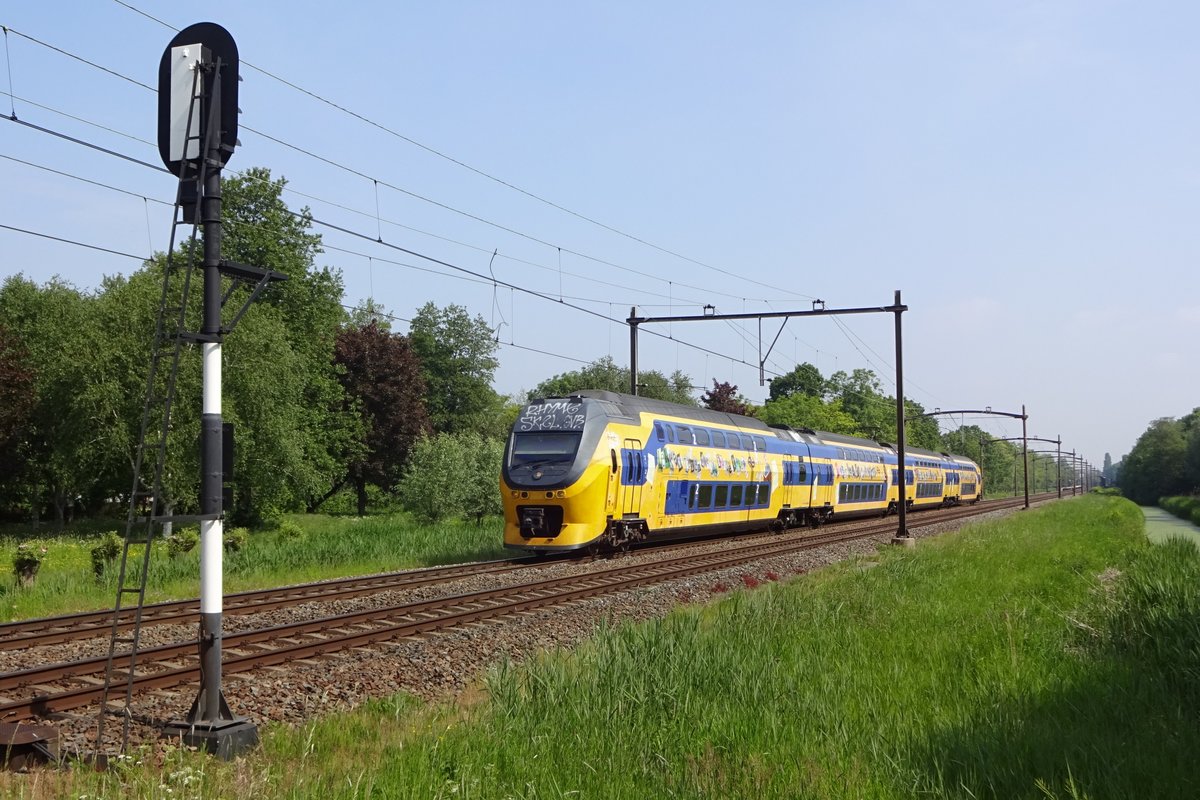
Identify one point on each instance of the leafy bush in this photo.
(183, 541)
(28, 557)
(236, 539)
(1184, 507)
(453, 475)
(105, 552)
(290, 531)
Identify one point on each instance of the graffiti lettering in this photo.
(556, 415)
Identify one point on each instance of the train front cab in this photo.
(560, 474)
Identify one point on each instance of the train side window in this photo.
(705, 495)
(658, 431)
(692, 496)
(735, 495)
(760, 444)
(764, 494)
(722, 496)
(718, 439)
(685, 435)
(734, 441)
(750, 490)
(803, 473)
(701, 437)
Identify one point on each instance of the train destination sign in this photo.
(556, 415)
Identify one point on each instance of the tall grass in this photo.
(327, 547)
(1051, 655)
(1185, 507)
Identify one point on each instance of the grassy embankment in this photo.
(1053, 654)
(327, 547)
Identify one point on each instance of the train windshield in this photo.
(544, 447)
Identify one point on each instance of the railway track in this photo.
(52, 689)
(23, 634)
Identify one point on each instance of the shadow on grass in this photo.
(1122, 728)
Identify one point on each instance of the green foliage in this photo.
(1156, 465)
(1154, 617)
(457, 354)
(452, 475)
(329, 547)
(803, 379)
(183, 540)
(73, 429)
(482, 496)
(28, 557)
(604, 374)
(236, 540)
(290, 531)
(105, 552)
(802, 410)
(1184, 507)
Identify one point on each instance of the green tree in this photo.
(17, 399)
(800, 410)
(458, 361)
(861, 396)
(481, 497)
(71, 424)
(922, 431)
(1191, 457)
(264, 232)
(804, 378)
(604, 374)
(434, 485)
(1155, 466)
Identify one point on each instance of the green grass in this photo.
(1055, 654)
(328, 547)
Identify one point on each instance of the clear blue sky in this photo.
(1026, 172)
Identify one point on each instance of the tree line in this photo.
(329, 405)
(1164, 462)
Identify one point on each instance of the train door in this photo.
(792, 470)
(614, 484)
(633, 477)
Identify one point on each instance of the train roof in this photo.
(630, 406)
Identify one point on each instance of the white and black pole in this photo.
(198, 89)
(211, 472)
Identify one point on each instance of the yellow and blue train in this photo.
(602, 469)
